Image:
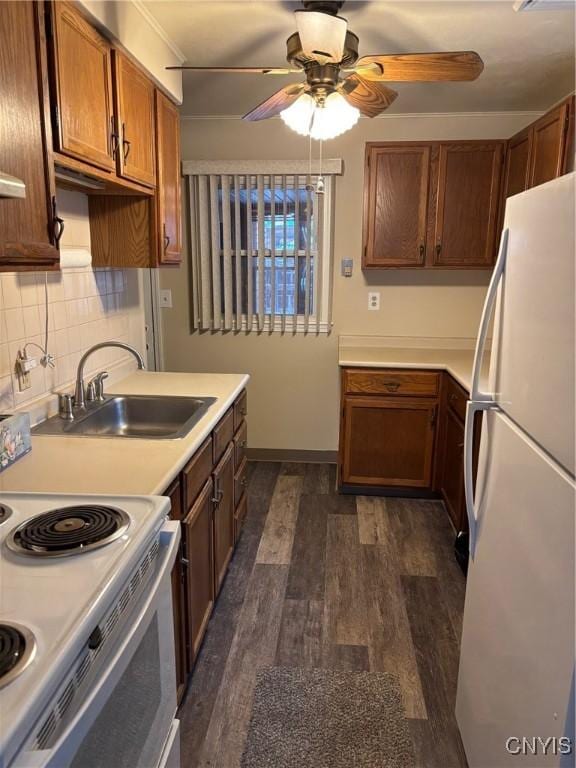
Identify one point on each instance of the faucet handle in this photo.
(65, 406)
(98, 384)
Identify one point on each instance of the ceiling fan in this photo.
(339, 86)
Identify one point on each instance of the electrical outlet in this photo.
(374, 300)
(166, 298)
(24, 364)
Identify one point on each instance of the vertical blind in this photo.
(260, 245)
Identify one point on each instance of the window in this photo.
(260, 250)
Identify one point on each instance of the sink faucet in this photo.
(80, 393)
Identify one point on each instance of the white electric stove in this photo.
(87, 671)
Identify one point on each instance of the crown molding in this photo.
(159, 29)
(530, 114)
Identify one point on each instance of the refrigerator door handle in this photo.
(475, 393)
(471, 409)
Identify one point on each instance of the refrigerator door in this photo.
(517, 653)
(532, 362)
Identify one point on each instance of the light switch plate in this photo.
(166, 298)
(347, 267)
(374, 300)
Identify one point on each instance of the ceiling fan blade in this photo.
(368, 96)
(322, 35)
(241, 70)
(277, 102)
(421, 67)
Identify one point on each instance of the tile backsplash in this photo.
(85, 306)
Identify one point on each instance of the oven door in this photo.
(127, 717)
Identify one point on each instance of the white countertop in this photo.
(59, 464)
(375, 353)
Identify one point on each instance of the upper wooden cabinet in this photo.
(396, 205)
(82, 78)
(542, 151)
(136, 156)
(168, 197)
(468, 194)
(29, 227)
(431, 204)
(517, 176)
(550, 134)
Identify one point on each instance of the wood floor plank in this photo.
(253, 646)
(352, 658)
(307, 576)
(345, 599)
(317, 479)
(390, 641)
(374, 521)
(437, 654)
(278, 535)
(410, 520)
(300, 639)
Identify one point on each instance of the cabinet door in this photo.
(179, 597)
(387, 441)
(168, 181)
(550, 134)
(27, 239)
(468, 194)
(452, 472)
(83, 83)
(223, 516)
(199, 548)
(135, 110)
(396, 205)
(517, 176)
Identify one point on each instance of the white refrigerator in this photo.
(516, 679)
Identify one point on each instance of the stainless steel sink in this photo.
(136, 416)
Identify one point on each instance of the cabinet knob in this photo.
(438, 248)
(422, 249)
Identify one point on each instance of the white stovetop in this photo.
(61, 600)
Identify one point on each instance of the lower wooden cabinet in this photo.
(198, 537)
(388, 441)
(451, 474)
(223, 515)
(212, 510)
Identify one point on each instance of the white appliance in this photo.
(87, 669)
(515, 685)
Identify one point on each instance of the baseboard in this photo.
(287, 454)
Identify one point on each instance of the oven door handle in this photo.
(67, 745)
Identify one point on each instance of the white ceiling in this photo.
(528, 56)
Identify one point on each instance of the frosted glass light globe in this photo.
(334, 118)
(298, 116)
(308, 119)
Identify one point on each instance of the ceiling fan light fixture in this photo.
(299, 115)
(333, 118)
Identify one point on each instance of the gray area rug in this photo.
(317, 718)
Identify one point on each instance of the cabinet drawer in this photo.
(196, 472)
(240, 482)
(240, 445)
(456, 397)
(240, 409)
(239, 517)
(391, 382)
(223, 434)
(175, 495)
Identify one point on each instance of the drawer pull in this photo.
(244, 482)
(392, 386)
(242, 444)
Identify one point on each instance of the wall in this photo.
(295, 389)
(86, 306)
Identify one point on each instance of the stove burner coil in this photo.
(68, 531)
(5, 513)
(17, 649)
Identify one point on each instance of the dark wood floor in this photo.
(341, 582)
